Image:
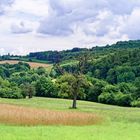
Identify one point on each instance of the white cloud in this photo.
(34, 7)
(66, 14)
(132, 27)
(4, 4)
(34, 25)
(122, 6)
(95, 17)
(20, 28)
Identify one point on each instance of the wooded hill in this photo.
(111, 74)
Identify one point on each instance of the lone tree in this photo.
(73, 84)
(28, 90)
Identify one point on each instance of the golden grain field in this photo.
(32, 64)
(18, 115)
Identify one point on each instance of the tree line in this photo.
(109, 75)
(20, 81)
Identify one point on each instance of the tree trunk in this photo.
(74, 101)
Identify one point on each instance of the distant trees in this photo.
(116, 67)
(113, 68)
(122, 94)
(45, 87)
(9, 90)
(106, 75)
(137, 84)
(41, 71)
(52, 56)
(95, 89)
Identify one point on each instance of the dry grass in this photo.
(32, 64)
(18, 115)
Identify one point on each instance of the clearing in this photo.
(32, 64)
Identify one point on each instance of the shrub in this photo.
(94, 91)
(45, 87)
(123, 99)
(8, 92)
(135, 103)
(107, 98)
(110, 89)
(41, 71)
(17, 95)
(127, 88)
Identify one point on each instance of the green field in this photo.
(119, 123)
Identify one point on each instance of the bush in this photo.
(64, 90)
(107, 98)
(135, 103)
(110, 89)
(41, 71)
(115, 98)
(123, 99)
(127, 88)
(13, 93)
(17, 95)
(94, 91)
(45, 87)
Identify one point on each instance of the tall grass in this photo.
(18, 115)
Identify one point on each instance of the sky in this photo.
(41, 25)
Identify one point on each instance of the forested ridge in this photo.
(56, 56)
(109, 74)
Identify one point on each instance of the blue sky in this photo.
(38, 25)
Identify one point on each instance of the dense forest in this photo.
(109, 74)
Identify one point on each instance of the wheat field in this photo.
(18, 115)
(32, 64)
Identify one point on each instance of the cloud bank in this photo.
(37, 25)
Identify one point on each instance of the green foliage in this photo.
(64, 90)
(112, 74)
(69, 85)
(125, 74)
(45, 87)
(7, 90)
(72, 85)
(137, 84)
(135, 103)
(41, 71)
(123, 99)
(127, 88)
(107, 98)
(108, 94)
(117, 95)
(19, 79)
(111, 89)
(95, 89)
(27, 90)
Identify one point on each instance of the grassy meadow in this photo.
(117, 123)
